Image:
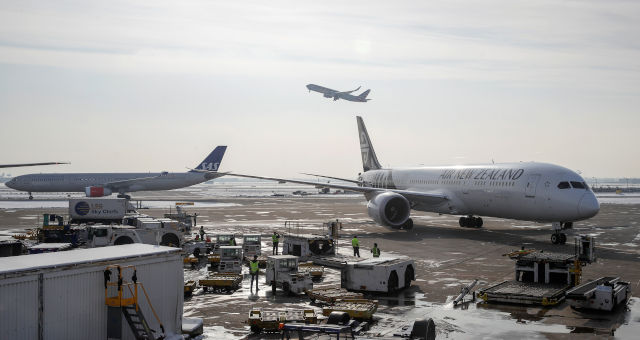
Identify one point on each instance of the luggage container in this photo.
(316, 272)
(380, 274)
(62, 295)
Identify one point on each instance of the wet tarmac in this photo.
(447, 256)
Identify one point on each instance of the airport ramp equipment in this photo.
(261, 320)
(361, 309)
(316, 272)
(221, 282)
(528, 293)
(378, 274)
(604, 293)
(332, 294)
(189, 287)
(337, 261)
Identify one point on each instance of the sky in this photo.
(155, 85)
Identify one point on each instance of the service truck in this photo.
(109, 235)
(98, 210)
(379, 274)
(282, 272)
(251, 244)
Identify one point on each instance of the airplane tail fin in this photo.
(369, 159)
(364, 94)
(212, 162)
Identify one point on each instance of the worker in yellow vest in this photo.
(254, 271)
(375, 250)
(275, 238)
(356, 246)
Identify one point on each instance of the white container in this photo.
(62, 296)
(97, 208)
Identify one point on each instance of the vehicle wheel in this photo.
(478, 222)
(408, 276)
(205, 289)
(568, 225)
(408, 225)
(338, 318)
(462, 221)
(123, 240)
(392, 283)
(419, 330)
(563, 238)
(554, 238)
(171, 240)
(255, 329)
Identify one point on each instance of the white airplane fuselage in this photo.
(523, 191)
(78, 182)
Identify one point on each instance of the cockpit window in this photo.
(578, 185)
(564, 185)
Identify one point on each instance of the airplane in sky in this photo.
(529, 191)
(29, 164)
(346, 95)
(104, 184)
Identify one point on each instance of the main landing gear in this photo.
(30, 196)
(470, 222)
(408, 224)
(124, 196)
(558, 237)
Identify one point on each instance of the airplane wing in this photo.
(29, 164)
(336, 178)
(414, 196)
(348, 92)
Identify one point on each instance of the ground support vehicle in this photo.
(189, 287)
(191, 261)
(221, 282)
(224, 240)
(331, 295)
(316, 272)
(379, 274)
(251, 245)
(282, 272)
(197, 248)
(604, 293)
(261, 320)
(361, 309)
(214, 261)
(230, 259)
(97, 210)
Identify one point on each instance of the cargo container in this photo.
(97, 209)
(62, 295)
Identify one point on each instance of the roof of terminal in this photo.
(15, 264)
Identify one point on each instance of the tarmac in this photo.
(446, 255)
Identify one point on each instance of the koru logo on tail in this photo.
(209, 166)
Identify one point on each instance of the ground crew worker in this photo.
(202, 232)
(356, 246)
(275, 238)
(254, 270)
(375, 250)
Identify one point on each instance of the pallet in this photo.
(332, 294)
(528, 293)
(361, 309)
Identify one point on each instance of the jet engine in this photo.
(389, 209)
(97, 191)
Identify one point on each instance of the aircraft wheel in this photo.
(477, 222)
(30, 196)
(568, 225)
(463, 222)
(554, 238)
(408, 225)
(563, 238)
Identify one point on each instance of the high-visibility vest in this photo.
(376, 252)
(253, 265)
(232, 242)
(355, 243)
(274, 238)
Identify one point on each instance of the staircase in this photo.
(138, 324)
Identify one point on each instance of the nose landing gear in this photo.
(558, 237)
(30, 196)
(470, 222)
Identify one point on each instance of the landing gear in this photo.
(558, 237)
(124, 196)
(470, 222)
(30, 196)
(408, 225)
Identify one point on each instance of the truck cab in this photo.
(251, 245)
(282, 272)
(224, 240)
(230, 259)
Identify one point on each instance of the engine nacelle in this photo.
(389, 209)
(97, 191)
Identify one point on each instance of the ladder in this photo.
(127, 305)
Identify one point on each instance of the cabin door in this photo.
(532, 183)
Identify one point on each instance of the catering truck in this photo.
(97, 210)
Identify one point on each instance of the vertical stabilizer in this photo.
(369, 159)
(212, 162)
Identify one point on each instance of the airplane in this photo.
(346, 95)
(29, 164)
(529, 191)
(104, 184)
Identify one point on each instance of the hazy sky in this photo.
(155, 85)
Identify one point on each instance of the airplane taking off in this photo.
(346, 95)
(103, 184)
(29, 164)
(530, 191)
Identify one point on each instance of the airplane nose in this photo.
(588, 206)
